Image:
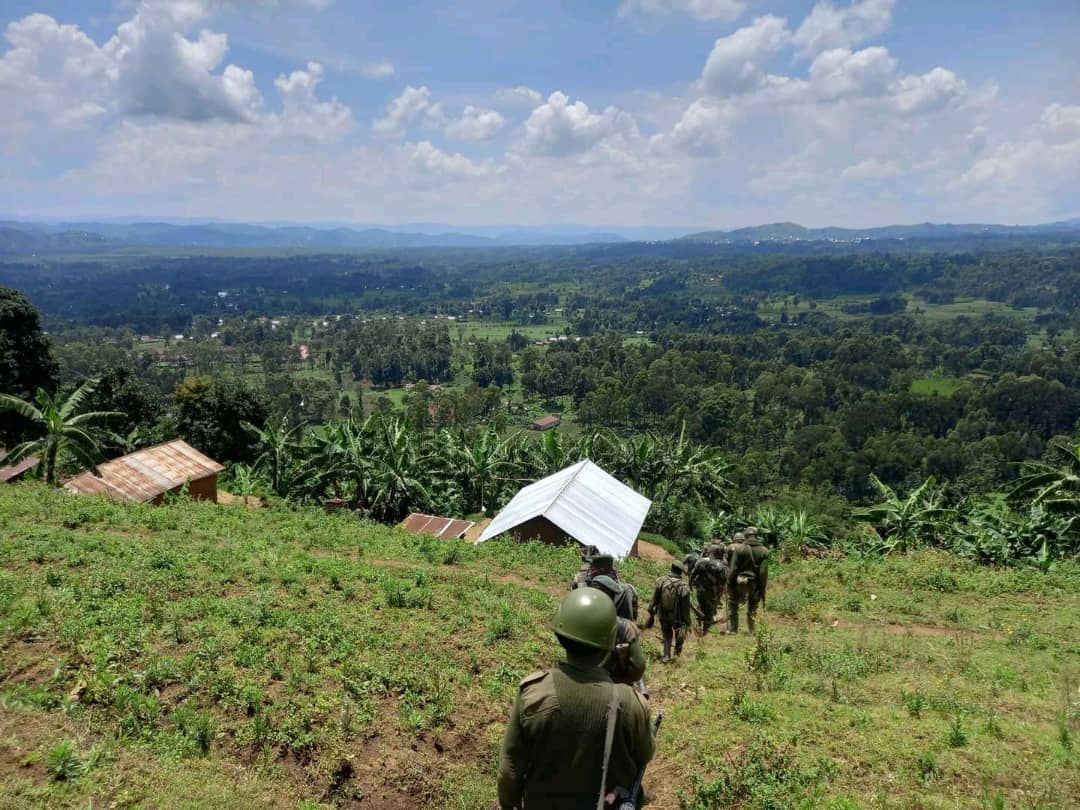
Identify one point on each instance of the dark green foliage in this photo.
(211, 413)
(26, 362)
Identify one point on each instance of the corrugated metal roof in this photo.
(13, 471)
(445, 528)
(147, 473)
(587, 503)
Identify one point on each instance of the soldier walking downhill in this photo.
(671, 599)
(626, 664)
(574, 737)
(708, 581)
(748, 575)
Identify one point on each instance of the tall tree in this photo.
(210, 413)
(26, 362)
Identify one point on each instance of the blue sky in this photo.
(711, 113)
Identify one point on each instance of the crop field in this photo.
(941, 386)
(195, 655)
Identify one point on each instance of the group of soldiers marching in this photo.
(579, 735)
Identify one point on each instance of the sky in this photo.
(696, 113)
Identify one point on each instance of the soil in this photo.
(653, 553)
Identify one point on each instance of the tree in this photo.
(26, 362)
(66, 434)
(279, 446)
(210, 414)
(905, 522)
(1053, 486)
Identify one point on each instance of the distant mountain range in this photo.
(19, 238)
(791, 232)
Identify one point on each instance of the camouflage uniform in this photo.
(582, 577)
(552, 754)
(708, 581)
(675, 617)
(750, 562)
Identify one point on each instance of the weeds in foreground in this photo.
(958, 736)
(63, 763)
(927, 767)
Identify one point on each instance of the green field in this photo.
(195, 655)
(941, 386)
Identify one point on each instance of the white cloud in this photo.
(377, 71)
(558, 127)
(304, 115)
(929, 92)
(871, 169)
(519, 96)
(475, 124)
(735, 63)
(400, 112)
(699, 9)
(703, 128)
(1061, 120)
(840, 73)
(433, 160)
(828, 27)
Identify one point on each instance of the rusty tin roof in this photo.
(147, 473)
(445, 528)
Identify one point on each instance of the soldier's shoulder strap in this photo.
(534, 677)
(538, 695)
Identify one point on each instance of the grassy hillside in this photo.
(201, 656)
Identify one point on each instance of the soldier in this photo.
(604, 565)
(581, 578)
(708, 581)
(671, 599)
(690, 560)
(623, 595)
(574, 736)
(626, 664)
(748, 575)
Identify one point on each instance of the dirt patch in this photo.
(653, 553)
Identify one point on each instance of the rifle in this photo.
(631, 801)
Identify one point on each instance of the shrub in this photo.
(958, 737)
(915, 702)
(927, 767)
(63, 763)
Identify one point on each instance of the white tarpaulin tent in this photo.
(584, 502)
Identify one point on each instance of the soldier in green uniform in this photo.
(748, 575)
(581, 578)
(671, 599)
(708, 581)
(574, 736)
(626, 664)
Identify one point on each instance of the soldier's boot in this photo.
(667, 651)
(733, 621)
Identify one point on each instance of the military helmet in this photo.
(752, 530)
(606, 583)
(678, 566)
(738, 537)
(587, 616)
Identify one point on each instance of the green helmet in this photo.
(588, 617)
(739, 537)
(602, 562)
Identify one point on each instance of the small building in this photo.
(16, 470)
(146, 475)
(582, 504)
(441, 527)
(546, 423)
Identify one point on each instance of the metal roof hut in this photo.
(15, 471)
(582, 504)
(147, 474)
(442, 527)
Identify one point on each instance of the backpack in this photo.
(669, 595)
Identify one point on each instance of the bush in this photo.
(927, 767)
(63, 763)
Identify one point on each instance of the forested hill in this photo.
(791, 232)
